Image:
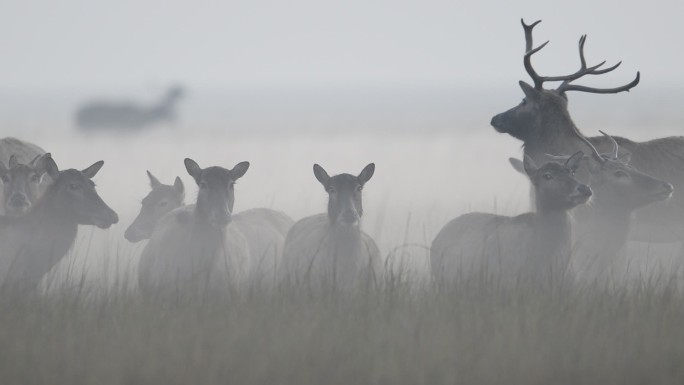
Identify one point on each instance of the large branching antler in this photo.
(566, 79)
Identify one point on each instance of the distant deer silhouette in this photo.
(127, 115)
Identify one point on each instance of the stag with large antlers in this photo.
(543, 123)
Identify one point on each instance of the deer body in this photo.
(31, 245)
(533, 248)
(331, 249)
(265, 231)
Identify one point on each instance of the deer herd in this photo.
(591, 195)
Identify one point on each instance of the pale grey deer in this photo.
(542, 122)
(604, 225)
(32, 244)
(331, 249)
(531, 249)
(264, 229)
(128, 115)
(161, 200)
(196, 249)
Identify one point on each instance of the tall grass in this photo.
(468, 333)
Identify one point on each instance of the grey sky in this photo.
(94, 44)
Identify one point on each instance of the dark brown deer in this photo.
(533, 248)
(31, 245)
(542, 122)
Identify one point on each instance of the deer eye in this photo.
(74, 187)
(163, 204)
(359, 188)
(331, 190)
(547, 176)
(35, 178)
(620, 174)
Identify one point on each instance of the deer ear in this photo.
(92, 170)
(154, 182)
(321, 174)
(529, 166)
(50, 166)
(574, 161)
(12, 161)
(178, 185)
(517, 165)
(38, 163)
(193, 169)
(239, 170)
(366, 173)
(530, 92)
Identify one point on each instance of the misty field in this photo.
(92, 326)
(469, 333)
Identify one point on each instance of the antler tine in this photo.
(614, 154)
(594, 152)
(529, 51)
(571, 87)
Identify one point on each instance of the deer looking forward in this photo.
(264, 229)
(196, 248)
(532, 248)
(21, 183)
(128, 115)
(331, 249)
(542, 122)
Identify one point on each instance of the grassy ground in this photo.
(465, 334)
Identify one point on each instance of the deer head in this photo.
(216, 194)
(542, 108)
(345, 204)
(21, 184)
(160, 201)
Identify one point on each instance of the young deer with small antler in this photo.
(543, 123)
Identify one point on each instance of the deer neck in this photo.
(552, 235)
(556, 134)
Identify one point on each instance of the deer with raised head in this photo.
(34, 243)
(196, 247)
(604, 226)
(542, 122)
(128, 115)
(532, 248)
(331, 249)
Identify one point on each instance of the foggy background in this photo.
(410, 86)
